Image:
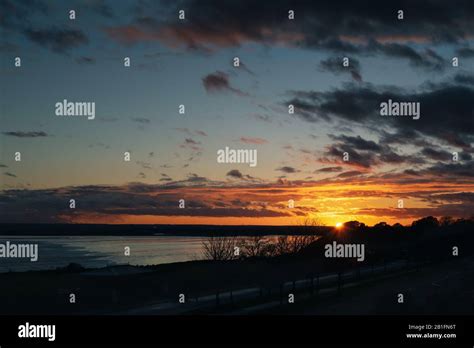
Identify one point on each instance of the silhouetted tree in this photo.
(426, 223)
(219, 248)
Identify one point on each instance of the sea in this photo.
(101, 251)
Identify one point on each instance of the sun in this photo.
(338, 224)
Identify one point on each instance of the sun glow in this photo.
(338, 224)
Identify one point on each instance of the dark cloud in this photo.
(246, 69)
(446, 110)
(341, 26)
(57, 39)
(350, 174)
(438, 155)
(335, 65)
(288, 170)
(364, 153)
(329, 170)
(20, 134)
(219, 82)
(460, 197)
(85, 60)
(336, 153)
(234, 173)
(465, 52)
(192, 177)
(50, 205)
(428, 59)
(453, 172)
(9, 174)
(357, 142)
(191, 141)
(464, 79)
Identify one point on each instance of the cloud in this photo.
(361, 105)
(191, 141)
(427, 59)
(357, 142)
(141, 120)
(245, 68)
(57, 39)
(191, 132)
(200, 132)
(342, 26)
(219, 82)
(137, 199)
(363, 153)
(288, 170)
(20, 134)
(85, 60)
(255, 141)
(9, 174)
(334, 65)
(453, 170)
(234, 173)
(144, 165)
(438, 155)
(464, 79)
(465, 52)
(328, 170)
(336, 153)
(350, 174)
(165, 177)
(242, 197)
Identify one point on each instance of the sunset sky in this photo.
(189, 62)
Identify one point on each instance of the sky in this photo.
(190, 62)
